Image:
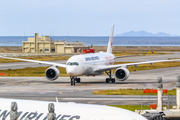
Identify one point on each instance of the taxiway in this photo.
(39, 88)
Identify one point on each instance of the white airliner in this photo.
(91, 65)
(37, 110)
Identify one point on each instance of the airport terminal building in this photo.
(43, 44)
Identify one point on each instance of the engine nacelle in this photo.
(52, 73)
(122, 74)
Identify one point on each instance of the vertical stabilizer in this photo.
(109, 49)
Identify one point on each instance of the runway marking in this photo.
(109, 99)
(62, 85)
(85, 85)
(28, 91)
(91, 102)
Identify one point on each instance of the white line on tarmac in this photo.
(109, 99)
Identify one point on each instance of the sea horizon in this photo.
(100, 40)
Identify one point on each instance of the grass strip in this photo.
(41, 58)
(39, 71)
(124, 53)
(129, 92)
(136, 107)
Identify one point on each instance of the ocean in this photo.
(99, 41)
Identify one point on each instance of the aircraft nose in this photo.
(71, 71)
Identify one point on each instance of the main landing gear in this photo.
(75, 79)
(110, 77)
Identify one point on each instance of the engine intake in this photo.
(122, 74)
(52, 73)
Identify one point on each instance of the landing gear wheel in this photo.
(107, 80)
(113, 80)
(78, 80)
(73, 80)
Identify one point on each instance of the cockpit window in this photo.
(72, 63)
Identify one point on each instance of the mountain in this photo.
(144, 33)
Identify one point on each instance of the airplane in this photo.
(90, 65)
(39, 110)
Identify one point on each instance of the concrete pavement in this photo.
(39, 88)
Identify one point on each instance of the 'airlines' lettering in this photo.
(24, 115)
(64, 117)
(58, 117)
(75, 118)
(4, 115)
(32, 115)
(37, 118)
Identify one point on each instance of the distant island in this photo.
(144, 33)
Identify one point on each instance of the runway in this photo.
(39, 88)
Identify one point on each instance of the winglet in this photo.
(109, 49)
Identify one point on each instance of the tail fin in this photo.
(109, 49)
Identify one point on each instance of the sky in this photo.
(88, 17)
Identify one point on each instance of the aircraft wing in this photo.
(36, 61)
(108, 67)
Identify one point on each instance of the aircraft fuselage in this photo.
(86, 64)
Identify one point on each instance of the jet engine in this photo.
(52, 73)
(122, 74)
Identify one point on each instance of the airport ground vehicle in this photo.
(89, 51)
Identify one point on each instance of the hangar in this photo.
(43, 44)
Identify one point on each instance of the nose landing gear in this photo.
(74, 79)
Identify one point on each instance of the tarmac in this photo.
(39, 88)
